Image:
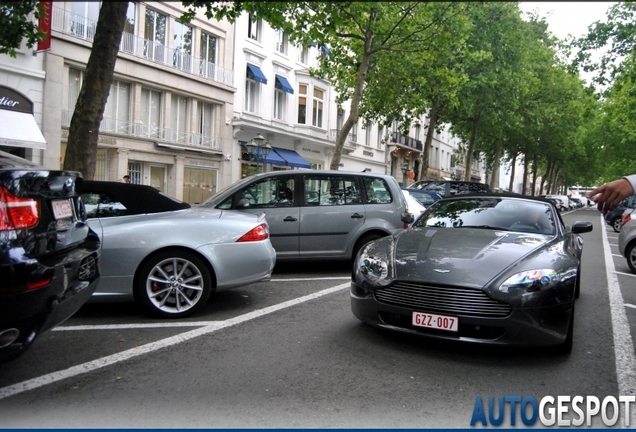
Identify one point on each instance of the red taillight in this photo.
(626, 219)
(259, 233)
(16, 212)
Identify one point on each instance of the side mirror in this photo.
(580, 227)
(408, 218)
(243, 203)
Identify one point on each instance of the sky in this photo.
(569, 17)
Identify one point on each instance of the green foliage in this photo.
(19, 20)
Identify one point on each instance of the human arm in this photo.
(611, 194)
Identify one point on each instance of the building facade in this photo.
(187, 100)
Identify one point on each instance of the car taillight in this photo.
(259, 233)
(626, 219)
(16, 212)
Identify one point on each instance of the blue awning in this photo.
(258, 73)
(272, 158)
(292, 158)
(284, 84)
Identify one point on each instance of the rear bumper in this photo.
(26, 313)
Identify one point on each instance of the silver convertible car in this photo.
(499, 269)
(170, 256)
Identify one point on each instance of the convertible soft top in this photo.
(138, 199)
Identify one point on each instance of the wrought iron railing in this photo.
(83, 28)
(407, 141)
(351, 138)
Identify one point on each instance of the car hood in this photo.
(460, 256)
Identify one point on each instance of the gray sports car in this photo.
(500, 269)
(168, 255)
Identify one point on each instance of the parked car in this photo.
(627, 240)
(557, 203)
(476, 268)
(319, 214)
(565, 205)
(425, 197)
(48, 253)
(170, 256)
(613, 217)
(446, 188)
(413, 206)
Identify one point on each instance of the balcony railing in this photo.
(350, 141)
(140, 130)
(83, 28)
(407, 141)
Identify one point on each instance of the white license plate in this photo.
(62, 209)
(440, 322)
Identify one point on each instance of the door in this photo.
(158, 177)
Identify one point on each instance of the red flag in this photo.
(45, 25)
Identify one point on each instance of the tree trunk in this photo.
(534, 175)
(357, 94)
(494, 179)
(524, 183)
(469, 153)
(81, 149)
(512, 174)
(432, 122)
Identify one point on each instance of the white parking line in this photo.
(154, 346)
(312, 279)
(626, 274)
(630, 305)
(133, 326)
(623, 345)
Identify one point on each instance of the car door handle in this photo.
(356, 216)
(290, 219)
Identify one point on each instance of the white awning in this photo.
(19, 129)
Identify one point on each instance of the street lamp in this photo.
(405, 169)
(258, 142)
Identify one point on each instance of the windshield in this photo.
(509, 214)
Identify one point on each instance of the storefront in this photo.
(19, 129)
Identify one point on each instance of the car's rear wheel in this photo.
(174, 284)
(566, 347)
(630, 253)
(616, 224)
(362, 241)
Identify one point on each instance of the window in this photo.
(280, 101)
(154, 35)
(281, 41)
(205, 124)
(103, 205)
(182, 45)
(101, 165)
(271, 192)
(150, 112)
(367, 137)
(117, 112)
(354, 132)
(178, 119)
(302, 104)
(303, 54)
(254, 28)
(380, 135)
(377, 190)
(317, 107)
(135, 171)
(76, 78)
(331, 190)
(207, 54)
(84, 19)
(417, 131)
(128, 36)
(251, 92)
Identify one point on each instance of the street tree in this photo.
(19, 21)
(357, 34)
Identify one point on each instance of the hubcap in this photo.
(174, 285)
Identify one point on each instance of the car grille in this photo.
(442, 299)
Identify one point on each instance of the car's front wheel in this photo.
(616, 224)
(173, 284)
(363, 241)
(630, 253)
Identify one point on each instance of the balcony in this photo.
(407, 141)
(196, 141)
(350, 142)
(82, 28)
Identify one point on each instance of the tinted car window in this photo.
(377, 191)
(270, 192)
(103, 205)
(424, 198)
(331, 190)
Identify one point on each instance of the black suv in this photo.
(48, 254)
(613, 217)
(446, 188)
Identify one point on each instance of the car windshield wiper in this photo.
(484, 227)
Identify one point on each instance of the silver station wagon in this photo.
(319, 214)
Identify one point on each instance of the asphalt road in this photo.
(288, 353)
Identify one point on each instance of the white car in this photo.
(413, 206)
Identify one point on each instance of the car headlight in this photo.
(531, 280)
(373, 265)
